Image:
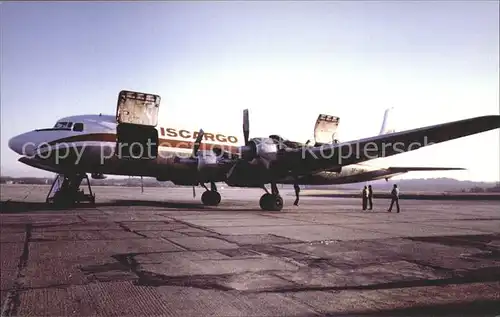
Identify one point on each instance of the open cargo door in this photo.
(325, 129)
(137, 117)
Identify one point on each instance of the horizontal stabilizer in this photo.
(400, 169)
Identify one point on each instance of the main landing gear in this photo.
(65, 190)
(211, 197)
(271, 201)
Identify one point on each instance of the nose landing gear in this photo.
(65, 191)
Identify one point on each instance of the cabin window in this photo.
(78, 127)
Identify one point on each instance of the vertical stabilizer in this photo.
(387, 124)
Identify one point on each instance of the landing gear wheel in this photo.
(264, 201)
(271, 202)
(210, 198)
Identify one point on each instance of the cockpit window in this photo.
(78, 127)
(63, 125)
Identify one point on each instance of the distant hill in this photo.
(414, 185)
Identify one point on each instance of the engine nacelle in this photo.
(206, 160)
(98, 176)
(264, 148)
(208, 166)
(203, 160)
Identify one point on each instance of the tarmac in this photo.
(162, 252)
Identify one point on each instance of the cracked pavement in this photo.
(163, 253)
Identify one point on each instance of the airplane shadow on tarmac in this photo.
(11, 206)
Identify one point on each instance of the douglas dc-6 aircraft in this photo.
(131, 143)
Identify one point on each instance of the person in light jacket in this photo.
(394, 198)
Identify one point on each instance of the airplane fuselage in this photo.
(88, 144)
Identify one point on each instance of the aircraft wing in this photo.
(307, 160)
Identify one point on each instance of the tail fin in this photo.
(387, 126)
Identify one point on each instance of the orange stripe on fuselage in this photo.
(173, 143)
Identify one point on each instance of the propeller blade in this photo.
(197, 142)
(246, 126)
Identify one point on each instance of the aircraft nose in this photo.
(19, 145)
(15, 144)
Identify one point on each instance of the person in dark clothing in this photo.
(365, 197)
(394, 198)
(297, 191)
(370, 197)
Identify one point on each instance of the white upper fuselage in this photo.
(102, 129)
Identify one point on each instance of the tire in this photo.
(277, 203)
(264, 201)
(210, 198)
(271, 202)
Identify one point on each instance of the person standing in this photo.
(365, 197)
(297, 191)
(370, 197)
(394, 198)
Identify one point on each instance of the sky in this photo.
(433, 61)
